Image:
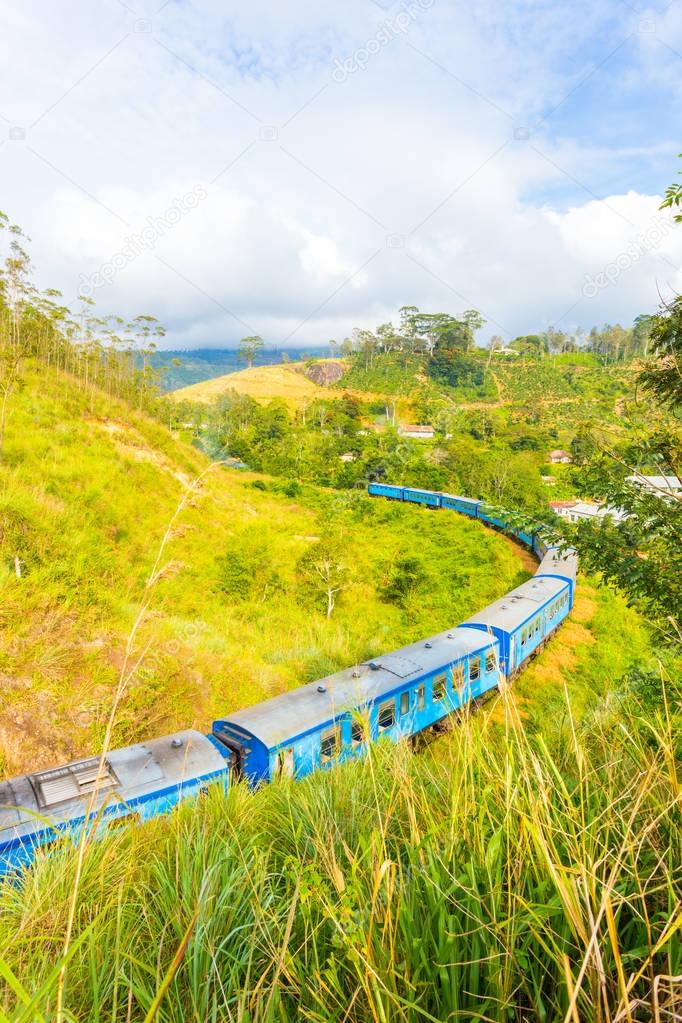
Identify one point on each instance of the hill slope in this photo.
(446, 883)
(260, 382)
(87, 491)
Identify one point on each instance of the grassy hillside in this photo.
(260, 382)
(397, 374)
(524, 866)
(87, 493)
(492, 876)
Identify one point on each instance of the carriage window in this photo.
(439, 688)
(421, 698)
(404, 703)
(490, 660)
(330, 745)
(458, 677)
(538, 621)
(386, 716)
(524, 635)
(475, 668)
(357, 732)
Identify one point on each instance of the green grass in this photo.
(561, 379)
(493, 876)
(392, 374)
(525, 866)
(86, 495)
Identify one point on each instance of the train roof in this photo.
(459, 497)
(556, 563)
(512, 610)
(290, 715)
(63, 793)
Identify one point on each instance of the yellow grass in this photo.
(263, 383)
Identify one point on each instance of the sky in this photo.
(296, 170)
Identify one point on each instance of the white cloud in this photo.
(327, 203)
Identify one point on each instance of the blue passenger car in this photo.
(525, 537)
(564, 566)
(463, 505)
(430, 498)
(522, 620)
(486, 515)
(385, 490)
(140, 781)
(397, 695)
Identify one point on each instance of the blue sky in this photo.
(296, 171)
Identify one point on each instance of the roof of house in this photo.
(590, 510)
(416, 429)
(659, 482)
(559, 453)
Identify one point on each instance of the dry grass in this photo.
(263, 383)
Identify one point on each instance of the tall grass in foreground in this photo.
(487, 877)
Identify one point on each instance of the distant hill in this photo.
(199, 364)
(288, 382)
(260, 382)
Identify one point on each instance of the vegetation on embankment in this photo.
(496, 875)
(239, 610)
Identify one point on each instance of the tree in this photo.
(496, 344)
(530, 344)
(16, 293)
(673, 198)
(474, 321)
(642, 554)
(405, 577)
(324, 571)
(641, 331)
(249, 347)
(662, 375)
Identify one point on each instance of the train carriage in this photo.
(429, 498)
(393, 493)
(397, 695)
(463, 505)
(140, 781)
(522, 620)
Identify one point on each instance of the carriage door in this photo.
(512, 656)
(285, 763)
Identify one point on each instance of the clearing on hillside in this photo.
(262, 383)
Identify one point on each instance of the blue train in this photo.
(394, 696)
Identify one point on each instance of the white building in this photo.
(574, 511)
(417, 432)
(661, 485)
